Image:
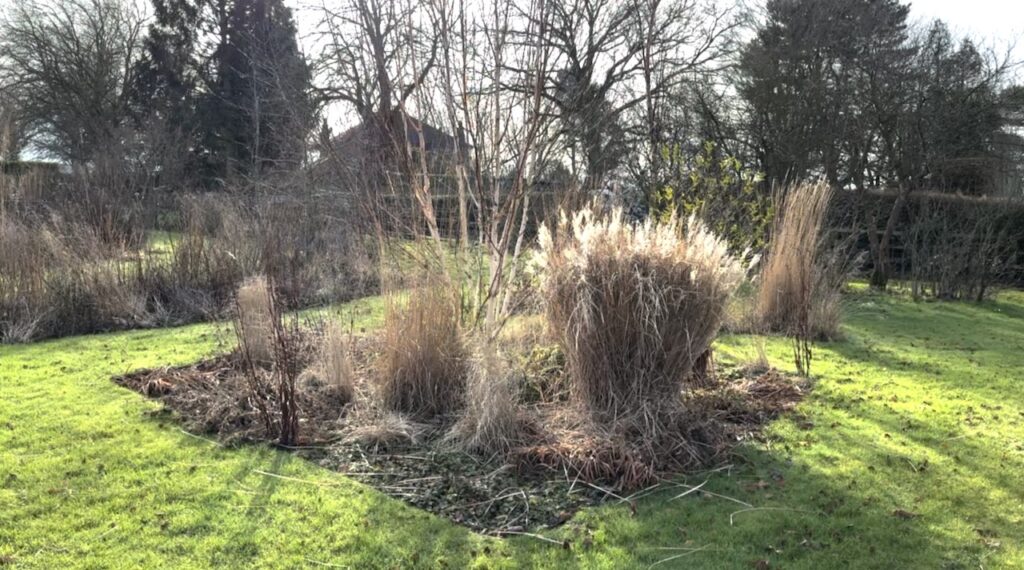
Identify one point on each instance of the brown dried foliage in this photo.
(799, 288)
(492, 421)
(635, 307)
(422, 369)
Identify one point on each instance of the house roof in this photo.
(359, 137)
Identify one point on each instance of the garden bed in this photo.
(532, 488)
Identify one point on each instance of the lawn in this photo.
(909, 453)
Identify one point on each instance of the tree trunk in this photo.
(703, 375)
(880, 272)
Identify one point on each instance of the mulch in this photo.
(535, 487)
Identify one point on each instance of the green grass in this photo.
(160, 241)
(920, 409)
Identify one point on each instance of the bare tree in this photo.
(376, 54)
(365, 43)
(507, 131)
(12, 135)
(71, 66)
(400, 64)
(612, 56)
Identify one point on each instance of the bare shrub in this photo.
(25, 257)
(422, 367)
(799, 285)
(253, 313)
(59, 278)
(961, 247)
(63, 275)
(835, 268)
(490, 423)
(24, 261)
(200, 277)
(267, 344)
(288, 346)
(634, 306)
(301, 248)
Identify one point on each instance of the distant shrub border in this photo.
(61, 278)
(941, 237)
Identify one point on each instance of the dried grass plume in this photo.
(490, 423)
(254, 314)
(798, 292)
(634, 305)
(422, 365)
(333, 365)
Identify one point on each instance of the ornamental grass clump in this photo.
(422, 367)
(490, 423)
(254, 319)
(800, 285)
(634, 308)
(333, 369)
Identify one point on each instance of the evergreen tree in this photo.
(231, 70)
(806, 79)
(955, 116)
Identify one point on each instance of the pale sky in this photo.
(996, 24)
(994, 19)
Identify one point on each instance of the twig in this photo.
(286, 478)
(677, 556)
(575, 479)
(494, 473)
(727, 498)
(420, 480)
(317, 562)
(498, 498)
(106, 532)
(603, 490)
(201, 438)
(768, 509)
(324, 445)
(688, 491)
(641, 493)
(532, 535)
(720, 468)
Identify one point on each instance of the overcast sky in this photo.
(996, 24)
(999, 20)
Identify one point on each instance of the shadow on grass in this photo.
(275, 508)
(769, 510)
(839, 494)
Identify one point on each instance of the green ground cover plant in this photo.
(908, 453)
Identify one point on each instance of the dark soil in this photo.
(491, 495)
